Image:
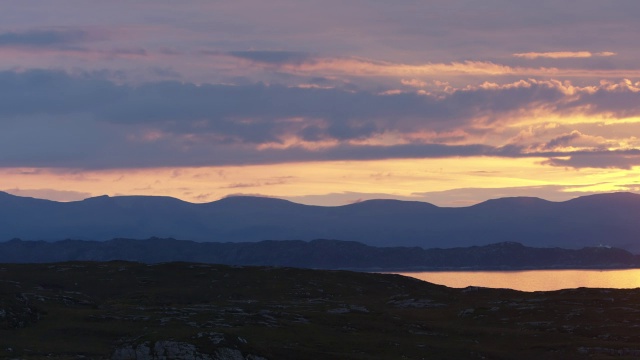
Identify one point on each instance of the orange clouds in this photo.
(362, 67)
(564, 54)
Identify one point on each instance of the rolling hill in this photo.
(606, 219)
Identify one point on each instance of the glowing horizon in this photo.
(438, 181)
(335, 104)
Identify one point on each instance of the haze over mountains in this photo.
(605, 219)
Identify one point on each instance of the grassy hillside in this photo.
(122, 310)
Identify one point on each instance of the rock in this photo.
(228, 354)
(17, 312)
(124, 353)
(161, 350)
(215, 337)
(234, 354)
(177, 350)
(174, 350)
(415, 303)
(358, 308)
(340, 310)
(466, 312)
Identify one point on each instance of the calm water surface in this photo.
(533, 280)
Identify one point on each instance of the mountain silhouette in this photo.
(604, 219)
(318, 254)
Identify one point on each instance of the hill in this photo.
(318, 254)
(608, 219)
(180, 311)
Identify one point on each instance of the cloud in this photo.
(48, 115)
(306, 64)
(248, 194)
(273, 57)
(578, 141)
(623, 159)
(43, 38)
(621, 99)
(562, 140)
(339, 81)
(262, 113)
(260, 183)
(347, 40)
(366, 67)
(413, 83)
(564, 54)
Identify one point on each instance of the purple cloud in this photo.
(43, 38)
(177, 123)
(273, 57)
(624, 159)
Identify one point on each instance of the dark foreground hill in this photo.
(607, 219)
(179, 311)
(318, 254)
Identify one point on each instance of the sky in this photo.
(320, 102)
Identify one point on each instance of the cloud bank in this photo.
(43, 38)
(46, 114)
(564, 54)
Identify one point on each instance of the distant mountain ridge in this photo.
(318, 254)
(607, 219)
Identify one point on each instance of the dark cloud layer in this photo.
(599, 159)
(42, 38)
(562, 140)
(259, 112)
(622, 99)
(172, 123)
(273, 57)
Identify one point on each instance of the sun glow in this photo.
(403, 177)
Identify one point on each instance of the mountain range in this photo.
(604, 219)
(318, 254)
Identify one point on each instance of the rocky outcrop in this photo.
(17, 313)
(135, 311)
(174, 350)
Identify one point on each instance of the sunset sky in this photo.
(320, 102)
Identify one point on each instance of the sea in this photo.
(533, 280)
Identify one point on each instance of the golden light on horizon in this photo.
(403, 177)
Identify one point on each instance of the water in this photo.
(533, 280)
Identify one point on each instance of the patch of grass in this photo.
(91, 309)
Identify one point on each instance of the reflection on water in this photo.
(533, 280)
